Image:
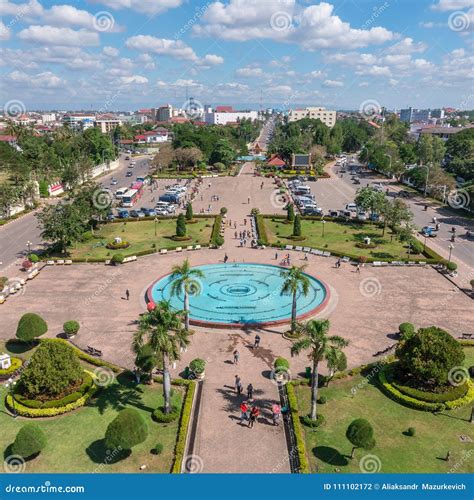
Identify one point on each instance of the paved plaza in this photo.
(364, 308)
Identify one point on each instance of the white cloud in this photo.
(31, 8)
(375, 71)
(67, 15)
(44, 80)
(332, 83)
(50, 35)
(280, 90)
(211, 60)
(143, 6)
(317, 74)
(138, 79)
(249, 72)
(312, 27)
(447, 5)
(4, 32)
(110, 51)
(162, 46)
(407, 46)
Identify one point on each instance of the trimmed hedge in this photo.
(16, 365)
(180, 448)
(216, 231)
(281, 364)
(453, 393)
(165, 418)
(295, 420)
(261, 230)
(313, 424)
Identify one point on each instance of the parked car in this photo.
(374, 217)
(128, 174)
(429, 231)
(313, 210)
(351, 207)
(110, 217)
(345, 213)
(114, 181)
(333, 213)
(134, 213)
(124, 214)
(361, 216)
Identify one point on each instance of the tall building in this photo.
(328, 117)
(406, 115)
(164, 113)
(79, 121)
(410, 115)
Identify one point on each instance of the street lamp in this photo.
(10, 386)
(451, 246)
(28, 245)
(324, 223)
(156, 220)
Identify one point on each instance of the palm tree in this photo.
(295, 280)
(314, 338)
(185, 280)
(161, 329)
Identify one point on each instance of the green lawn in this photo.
(328, 449)
(75, 440)
(141, 236)
(339, 237)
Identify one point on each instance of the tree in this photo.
(361, 435)
(290, 212)
(126, 431)
(185, 280)
(188, 156)
(146, 360)
(164, 158)
(370, 199)
(315, 339)
(161, 329)
(53, 369)
(31, 326)
(395, 213)
(294, 281)
(297, 226)
(222, 153)
(427, 356)
(29, 441)
(337, 362)
(189, 212)
(181, 226)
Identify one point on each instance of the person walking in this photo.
(238, 385)
(254, 413)
(226, 258)
(276, 255)
(257, 341)
(248, 200)
(236, 357)
(127, 294)
(250, 392)
(276, 412)
(243, 412)
(358, 269)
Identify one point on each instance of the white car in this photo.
(351, 207)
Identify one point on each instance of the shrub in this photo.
(406, 330)
(126, 430)
(219, 240)
(290, 212)
(29, 441)
(281, 364)
(197, 365)
(180, 447)
(15, 365)
(112, 245)
(416, 246)
(52, 369)
(428, 356)
(34, 259)
(30, 326)
(164, 418)
(87, 236)
(71, 327)
(118, 258)
(361, 434)
(157, 449)
(322, 400)
(189, 212)
(223, 211)
(313, 423)
(450, 394)
(3, 282)
(451, 266)
(295, 420)
(256, 211)
(297, 226)
(411, 431)
(181, 226)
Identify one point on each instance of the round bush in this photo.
(126, 430)
(313, 423)
(87, 236)
(281, 364)
(29, 441)
(406, 330)
(71, 327)
(361, 434)
(157, 449)
(411, 431)
(30, 326)
(53, 370)
(164, 418)
(118, 258)
(197, 365)
(112, 245)
(34, 259)
(322, 400)
(451, 266)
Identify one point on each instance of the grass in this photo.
(328, 449)
(75, 440)
(141, 236)
(340, 238)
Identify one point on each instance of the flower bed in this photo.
(8, 372)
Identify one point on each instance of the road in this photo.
(334, 193)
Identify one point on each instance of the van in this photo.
(303, 190)
(351, 207)
(120, 193)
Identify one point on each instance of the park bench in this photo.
(298, 249)
(466, 336)
(289, 247)
(94, 352)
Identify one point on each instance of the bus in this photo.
(130, 198)
(119, 194)
(138, 186)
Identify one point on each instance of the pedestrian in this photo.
(358, 268)
(236, 357)
(243, 412)
(235, 235)
(254, 413)
(276, 255)
(238, 384)
(127, 294)
(257, 341)
(249, 392)
(245, 222)
(306, 256)
(248, 200)
(226, 258)
(276, 412)
(235, 225)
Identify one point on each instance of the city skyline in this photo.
(126, 55)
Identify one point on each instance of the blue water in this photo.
(241, 293)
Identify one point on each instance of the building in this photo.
(406, 115)
(327, 116)
(48, 118)
(410, 115)
(223, 115)
(107, 123)
(275, 162)
(299, 162)
(9, 139)
(441, 132)
(164, 113)
(78, 121)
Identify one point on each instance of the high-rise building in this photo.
(164, 113)
(406, 115)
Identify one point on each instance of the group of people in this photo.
(250, 412)
(286, 259)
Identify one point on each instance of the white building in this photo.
(327, 116)
(107, 124)
(48, 118)
(225, 117)
(79, 121)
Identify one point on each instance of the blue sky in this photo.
(128, 54)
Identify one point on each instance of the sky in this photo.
(341, 54)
